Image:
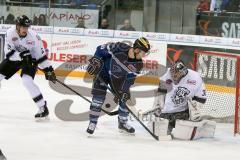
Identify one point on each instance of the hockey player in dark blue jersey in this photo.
(117, 64)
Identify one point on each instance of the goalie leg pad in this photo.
(188, 130)
(159, 126)
(207, 129)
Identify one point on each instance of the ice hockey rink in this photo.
(21, 138)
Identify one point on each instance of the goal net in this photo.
(220, 72)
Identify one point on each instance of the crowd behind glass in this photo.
(106, 8)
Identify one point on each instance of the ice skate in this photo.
(125, 128)
(90, 129)
(42, 114)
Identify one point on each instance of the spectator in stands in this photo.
(127, 26)
(81, 23)
(42, 21)
(216, 5)
(35, 20)
(104, 24)
(203, 5)
(10, 19)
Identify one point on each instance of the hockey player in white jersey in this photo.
(24, 50)
(184, 92)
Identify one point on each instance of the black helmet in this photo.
(23, 21)
(142, 43)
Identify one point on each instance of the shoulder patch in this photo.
(14, 39)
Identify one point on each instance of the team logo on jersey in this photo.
(179, 97)
(21, 48)
(192, 82)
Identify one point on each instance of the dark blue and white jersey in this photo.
(118, 67)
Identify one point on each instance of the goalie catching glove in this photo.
(49, 74)
(95, 66)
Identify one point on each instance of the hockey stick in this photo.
(152, 111)
(108, 113)
(115, 94)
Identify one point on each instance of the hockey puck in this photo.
(107, 105)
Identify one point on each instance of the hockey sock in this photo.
(95, 108)
(122, 113)
(33, 90)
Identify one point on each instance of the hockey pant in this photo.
(99, 93)
(9, 68)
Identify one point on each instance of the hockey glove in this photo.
(95, 66)
(157, 112)
(49, 74)
(124, 97)
(27, 61)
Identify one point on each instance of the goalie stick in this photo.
(108, 113)
(135, 116)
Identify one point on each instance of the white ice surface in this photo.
(21, 138)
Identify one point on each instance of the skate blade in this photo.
(126, 133)
(42, 119)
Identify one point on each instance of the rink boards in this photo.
(69, 50)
